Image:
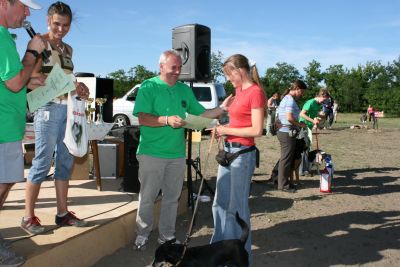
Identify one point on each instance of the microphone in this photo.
(28, 27)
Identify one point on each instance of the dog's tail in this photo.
(244, 226)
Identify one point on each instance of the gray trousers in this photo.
(288, 145)
(157, 174)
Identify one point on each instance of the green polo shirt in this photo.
(158, 98)
(12, 105)
(312, 108)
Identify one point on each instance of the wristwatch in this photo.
(33, 52)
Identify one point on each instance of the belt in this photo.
(60, 101)
(233, 144)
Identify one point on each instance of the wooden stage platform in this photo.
(111, 215)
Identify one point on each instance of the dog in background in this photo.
(294, 173)
(222, 253)
(363, 118)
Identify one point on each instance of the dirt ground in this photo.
(358, 224)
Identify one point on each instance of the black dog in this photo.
(222, 253)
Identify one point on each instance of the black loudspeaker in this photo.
(193, 42)
(131, 183)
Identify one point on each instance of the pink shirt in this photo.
(240, 111)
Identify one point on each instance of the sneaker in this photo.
(140, 242)
(4, 243)
(70, 219)
(32, 225)
(9, 259)
(172, 240)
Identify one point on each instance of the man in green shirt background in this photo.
(309, 115)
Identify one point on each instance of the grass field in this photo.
(348, 119)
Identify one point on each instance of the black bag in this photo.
(294, 131)
(225, 158)
(273, 129)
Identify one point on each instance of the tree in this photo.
(216, 66)
(279, 78)
(139, 73)
(124, 81)
(313, 78)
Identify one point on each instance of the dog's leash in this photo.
(189, 233)
(316, 137)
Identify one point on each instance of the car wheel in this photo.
(121, 120)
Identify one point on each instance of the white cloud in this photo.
(267, 56)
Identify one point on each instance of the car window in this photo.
(202, 94)
(220, 92)
(133, 94)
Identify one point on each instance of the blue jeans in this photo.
(50, 122)
(231, 196)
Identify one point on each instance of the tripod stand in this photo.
(196, 165)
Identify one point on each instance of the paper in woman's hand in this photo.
(57, 83)
(198, 122)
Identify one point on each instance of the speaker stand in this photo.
(195, 164)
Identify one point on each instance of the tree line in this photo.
(374, 83)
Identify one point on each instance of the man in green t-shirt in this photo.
(161, 105)
(14, 75)
(309, 115)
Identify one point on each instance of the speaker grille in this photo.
(192, 41)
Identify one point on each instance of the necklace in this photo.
(61, 47)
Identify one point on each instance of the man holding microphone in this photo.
(14, 76)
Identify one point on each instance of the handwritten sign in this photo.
(57, 83)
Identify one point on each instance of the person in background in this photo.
(14, 76)
(335, 110)
(370, 113)
(272, 104)
(309, 115)
(161, 106)
(327, 108)
(288, 115)
(246, 121)
(50, 123)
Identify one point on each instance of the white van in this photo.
(210, 95)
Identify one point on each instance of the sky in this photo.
(110, 35)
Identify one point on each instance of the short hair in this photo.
(60, 8)
(164, 55)
(323, 92)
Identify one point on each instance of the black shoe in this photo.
(289, 189)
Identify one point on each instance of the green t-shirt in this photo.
(312, 108)
(158, 98)
(12, 105)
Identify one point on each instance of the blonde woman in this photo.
(246, 121)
